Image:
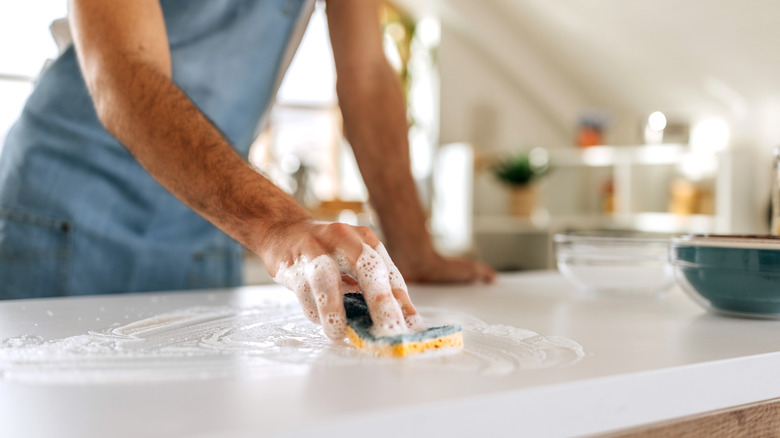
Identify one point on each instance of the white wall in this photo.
(490, 111)
(519, 73)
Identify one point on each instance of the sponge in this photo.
(359, 333)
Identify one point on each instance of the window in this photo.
(303, 150)
(25, 45)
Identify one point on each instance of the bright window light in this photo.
(710, 136)
(311, 77)
(25, 45)
(657, 121)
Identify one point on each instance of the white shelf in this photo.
(649, 222)
(573, 196)
(732, 200)
(604, 156)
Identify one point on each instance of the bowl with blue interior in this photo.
(730, 274)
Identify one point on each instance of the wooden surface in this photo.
(754, 420)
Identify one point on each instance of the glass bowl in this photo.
(615, 263)
(732, 275)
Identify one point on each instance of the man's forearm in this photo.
(180, 147)
(375, 124)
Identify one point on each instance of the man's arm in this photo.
(375, 125)
(123, 53)
(124, 56)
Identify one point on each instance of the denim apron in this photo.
(79, 215)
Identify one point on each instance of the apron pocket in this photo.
(34, 255)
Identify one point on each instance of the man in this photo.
(131, 129)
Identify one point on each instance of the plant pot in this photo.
(523, 200)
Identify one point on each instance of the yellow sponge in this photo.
(359, 333)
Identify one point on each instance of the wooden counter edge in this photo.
(760, 419)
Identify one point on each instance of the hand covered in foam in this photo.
(321, 261)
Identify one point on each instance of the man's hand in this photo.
(321, 261)
(375, 125)
(440, 269)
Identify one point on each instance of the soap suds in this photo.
(374, 273)
(270, 340)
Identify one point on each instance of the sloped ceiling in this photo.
(679, 56)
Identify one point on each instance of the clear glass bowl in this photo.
(732, 275)
(615, 263)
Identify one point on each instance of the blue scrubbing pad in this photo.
(359, 333)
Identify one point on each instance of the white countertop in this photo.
(647, 360)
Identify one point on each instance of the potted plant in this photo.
(519, 172)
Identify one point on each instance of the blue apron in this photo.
(79, 215)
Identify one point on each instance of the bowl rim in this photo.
(612, 237)
(738, 241)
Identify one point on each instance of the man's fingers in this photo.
(324, 279)
(290, 277)
(454, 270)
(307, 303)
(475, 271)
(485, 273)
(374, 278)
(412, 319)
(349, 285)
(400, 291)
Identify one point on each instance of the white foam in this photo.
(314, 280)
(257, 342)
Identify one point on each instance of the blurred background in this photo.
(527, 117)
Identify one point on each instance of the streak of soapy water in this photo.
(219, 342)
